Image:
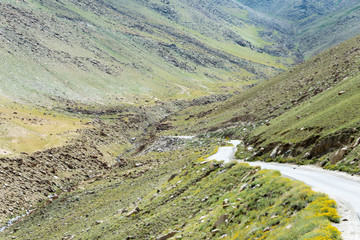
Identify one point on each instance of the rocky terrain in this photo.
(32, 177)
(94, 97)
(174, 193)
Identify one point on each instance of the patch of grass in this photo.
(325, 114)
(175, 192)
(30, 129)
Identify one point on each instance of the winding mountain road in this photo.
(345, 189)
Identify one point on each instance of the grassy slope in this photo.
(330, 29)
(294, 10)
(104, 51)
(324, 114)
(303, 103)
(29, 129)
(189, 202)
(329, 118)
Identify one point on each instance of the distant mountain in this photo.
(295, 11)
(311, 26)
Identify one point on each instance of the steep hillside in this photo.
(310, 111)
(294, 10)
(312, 26)
(325, 128)
(328, 30)
(109, 51)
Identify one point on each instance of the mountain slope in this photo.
(107, 51)
(294, 10)
(312, 108)
(312, 26)
(43, 128)
(94, 166)
(130, 51)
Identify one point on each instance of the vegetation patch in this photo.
(173, 193)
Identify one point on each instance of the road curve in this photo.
(345, 189)
(227, 153)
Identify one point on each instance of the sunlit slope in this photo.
(309, 93)
(309, 112)
(28, 129)
(175, 193)
(103, 51)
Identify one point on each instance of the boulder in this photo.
(133, 212)
(213, 166)
(243, 187)
(307, 155)
(356, 143)
(338, 155)
(221, 220)
(323, 163)
(167, 236)
(274, 152)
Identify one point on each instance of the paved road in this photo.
(320, 180)
(226, 154)
(344, 188)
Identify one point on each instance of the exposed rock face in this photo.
(328, 144)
